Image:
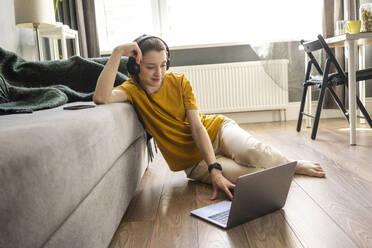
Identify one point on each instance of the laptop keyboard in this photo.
(220, 217)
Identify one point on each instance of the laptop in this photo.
(255, 195)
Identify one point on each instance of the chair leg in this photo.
(364, 112)
(302, 106)
(338, 102)
(318, 111)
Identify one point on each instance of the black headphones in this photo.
(134, 68)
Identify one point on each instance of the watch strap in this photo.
(214, 166)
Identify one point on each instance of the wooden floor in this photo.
(332, 212)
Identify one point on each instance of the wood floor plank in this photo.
(360, 154)
(133, 235)
(213, 236)
(335, 139)
(271, 230)
(351, 163)
(311, 224)
(145, 202)
(173, 225)
(347, 165)
(354, 219)
(363, 131)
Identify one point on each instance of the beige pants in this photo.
(238, 153)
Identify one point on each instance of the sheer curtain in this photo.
(195, 22)
(218, 21)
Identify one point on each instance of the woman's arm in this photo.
(203, 142)
(104, 92)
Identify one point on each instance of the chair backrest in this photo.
(319, 44)
(331, 56)
(309, 48)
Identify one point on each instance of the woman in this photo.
(209, 148)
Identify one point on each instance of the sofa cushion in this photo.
(51, 159)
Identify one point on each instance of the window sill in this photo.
(108, 53)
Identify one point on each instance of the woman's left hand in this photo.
(219, 182)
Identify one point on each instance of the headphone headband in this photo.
(146, 37)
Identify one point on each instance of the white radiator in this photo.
(240, 86)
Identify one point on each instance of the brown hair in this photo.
(150, 44)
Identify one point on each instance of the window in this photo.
(194, 22)
(121, 21)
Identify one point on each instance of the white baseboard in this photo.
(291, 113)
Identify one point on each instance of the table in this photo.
(62, 33)
(351, 43)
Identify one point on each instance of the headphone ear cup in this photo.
(132, 66)
(168, 64)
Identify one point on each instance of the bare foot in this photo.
(309, 168)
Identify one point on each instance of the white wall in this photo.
(13, 38)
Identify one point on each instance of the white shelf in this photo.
(60, 33)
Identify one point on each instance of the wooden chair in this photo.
(325, 80)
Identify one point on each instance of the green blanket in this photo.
(28, 86)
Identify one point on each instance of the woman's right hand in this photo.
(130, 49)
(219, 182)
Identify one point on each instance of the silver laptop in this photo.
(255, 195)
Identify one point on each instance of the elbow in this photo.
(98, 100)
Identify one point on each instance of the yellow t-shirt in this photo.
(165, 118)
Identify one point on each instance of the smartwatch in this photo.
(214, 166)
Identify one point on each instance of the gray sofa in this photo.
(67, 177)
